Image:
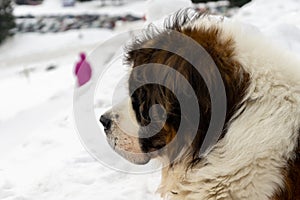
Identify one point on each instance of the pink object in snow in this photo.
(83, 70)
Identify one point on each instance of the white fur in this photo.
(247, 163)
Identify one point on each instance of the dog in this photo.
(256, 154)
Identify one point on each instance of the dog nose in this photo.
(106, 122)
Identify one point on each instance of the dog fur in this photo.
(258, 155)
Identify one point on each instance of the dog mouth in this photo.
(127, 150)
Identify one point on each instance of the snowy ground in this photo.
(41, 154)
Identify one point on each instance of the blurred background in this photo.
(41, 156)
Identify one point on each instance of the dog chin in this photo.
(138, 158)
(135, 158)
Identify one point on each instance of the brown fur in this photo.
(236, 80)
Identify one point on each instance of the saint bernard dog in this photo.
(257, 156)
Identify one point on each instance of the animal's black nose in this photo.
(106, 122)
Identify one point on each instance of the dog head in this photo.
(146, 125)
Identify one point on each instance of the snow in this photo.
(57, 45)
(277, 19)
(157, 9)
(45, 50)
(42, 156)
(270, 13)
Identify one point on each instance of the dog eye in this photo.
(134, 98)
(143, 111)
